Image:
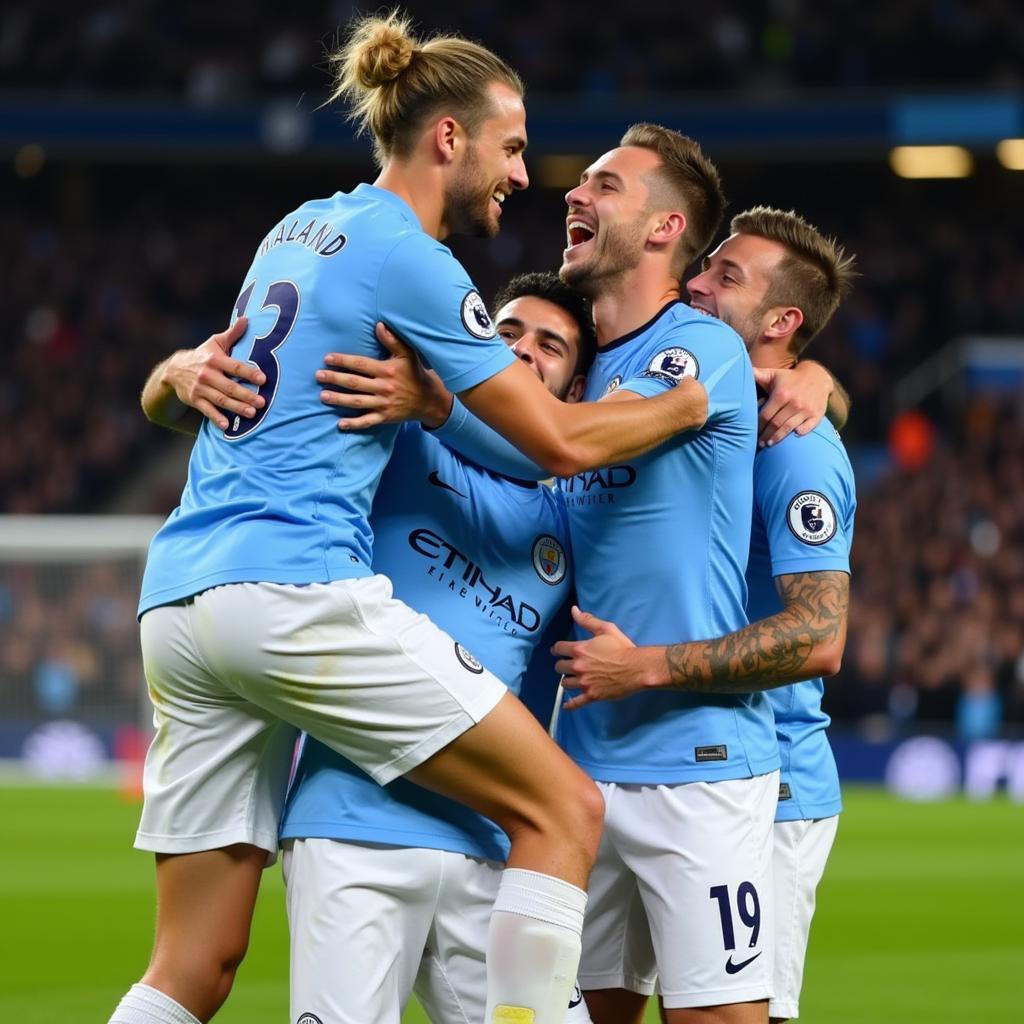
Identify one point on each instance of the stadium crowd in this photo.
(211, 55)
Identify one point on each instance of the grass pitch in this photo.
(918, 916)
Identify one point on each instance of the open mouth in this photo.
(498, 198)
(701, 309)
(578, 233)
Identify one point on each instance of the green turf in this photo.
(918, 916)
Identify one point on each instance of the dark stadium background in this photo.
(145, 148)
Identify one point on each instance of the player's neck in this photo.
(421, 191)
(629, 302)
(766, 355)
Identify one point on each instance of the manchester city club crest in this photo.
(673, 363)
(549, 560)
(475, 317)
(811, 518)
(613, 384)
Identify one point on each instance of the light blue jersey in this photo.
(285, 497)
(487, 557)
(661, 547)
(804, 503)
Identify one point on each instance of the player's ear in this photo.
(668, 227)
(449, 138)
(576, 388)
(783, 322)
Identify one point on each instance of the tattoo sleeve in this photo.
(774, 651)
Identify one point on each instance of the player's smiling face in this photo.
(734, 281)
(546, 338)
(492, 167)
(609, 218)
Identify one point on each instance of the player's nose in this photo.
(517, 175)
(697, 285)
(526, 348)
(576, 197)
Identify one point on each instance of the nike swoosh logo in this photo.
(577, 997)
(438, 482)
(731, 968)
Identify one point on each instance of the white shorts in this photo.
(682, 892)
(801, 852)
(370, 924)
(365, 674)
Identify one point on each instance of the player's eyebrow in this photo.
(608, 175)
(733, 267)
(514, 321)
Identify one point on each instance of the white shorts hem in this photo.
(717, 997)
(784, 1011)
(451, 731)
(641, 986)
(205, 841)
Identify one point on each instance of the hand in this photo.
(389, 390)
(601, 668)
(204, 377)
(797, 400)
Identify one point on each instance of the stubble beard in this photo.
(468, 202)
(620, 250)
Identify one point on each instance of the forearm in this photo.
(839, 405)
(569, 438)
(162, 406)
(804, 640)
(766, 654)
(472, 438)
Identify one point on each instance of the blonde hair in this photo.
(693, 181)
(393, 82)
(815, 274)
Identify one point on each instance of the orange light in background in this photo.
(911, 440)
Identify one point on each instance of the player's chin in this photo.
(486, 226)
(573, 272)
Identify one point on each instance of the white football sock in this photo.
(143, 1004)
(533, 948)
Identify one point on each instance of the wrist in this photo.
(437, 412)
(654, 667)
(822, 371)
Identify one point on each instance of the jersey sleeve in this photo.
(804, 493)
(475, 440)
(428, 300)
(706, 349)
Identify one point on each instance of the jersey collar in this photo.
(640, 330)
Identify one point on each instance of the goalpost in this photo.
(73, 701)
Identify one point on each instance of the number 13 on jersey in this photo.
(284, 296)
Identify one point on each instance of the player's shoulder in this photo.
(812, 467)
(682, 321)
(694, 339)
(821, 446)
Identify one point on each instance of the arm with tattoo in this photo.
(803, 640)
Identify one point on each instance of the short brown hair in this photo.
(547, 286)
(394, 81)
(693, 179)
(815, 274)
